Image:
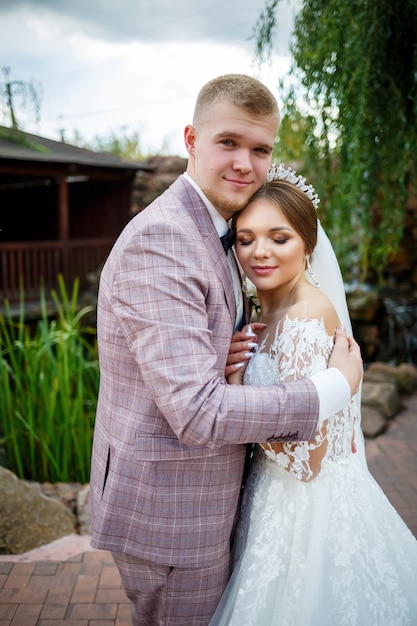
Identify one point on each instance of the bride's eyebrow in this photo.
(278, 228)
(271, 230)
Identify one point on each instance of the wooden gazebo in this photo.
(61, 209)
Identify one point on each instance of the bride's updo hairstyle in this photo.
(297, 207)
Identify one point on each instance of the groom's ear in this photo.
(189, 139)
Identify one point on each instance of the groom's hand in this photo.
(346, 357)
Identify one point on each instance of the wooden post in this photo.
(63, 224)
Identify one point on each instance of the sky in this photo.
(119, 67)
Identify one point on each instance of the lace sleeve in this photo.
(300, 348)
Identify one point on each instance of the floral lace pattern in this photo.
(300, 348)
(331, 551)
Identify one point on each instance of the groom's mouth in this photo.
(239, 183)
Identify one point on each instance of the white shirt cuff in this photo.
(333, 390)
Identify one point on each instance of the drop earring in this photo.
(245, 285)
(311, 273)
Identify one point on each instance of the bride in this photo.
(318, 543)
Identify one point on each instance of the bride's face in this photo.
(272, 253)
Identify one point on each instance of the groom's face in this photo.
(230, 154)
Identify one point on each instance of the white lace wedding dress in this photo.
(329, 552)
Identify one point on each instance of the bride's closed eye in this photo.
(247, 242)
(281, 240)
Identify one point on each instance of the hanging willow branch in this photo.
(356, 64)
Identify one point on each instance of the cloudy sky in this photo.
(124, 66)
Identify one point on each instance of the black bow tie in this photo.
(228, 239)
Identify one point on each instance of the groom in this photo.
(170, 434)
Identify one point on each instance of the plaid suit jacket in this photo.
(168, 450)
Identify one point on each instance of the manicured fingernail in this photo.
(239, 365)
(248, 355)
(252, 344)
(249, 332)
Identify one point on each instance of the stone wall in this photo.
(385, 317)
(384, 322)
(149, 185)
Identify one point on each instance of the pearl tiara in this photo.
(280, 172)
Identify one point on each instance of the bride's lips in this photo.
(263, 270)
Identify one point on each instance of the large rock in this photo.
(403, 375)
(29, 519)
(373, 422)
(82, 510)
(382, 396)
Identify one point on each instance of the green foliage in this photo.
(296, 131)
(127, 147)
(49, 380)
(265, 31)
(355, 66)
(20, 138)
(124, 145)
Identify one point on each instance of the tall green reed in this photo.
(49, 379)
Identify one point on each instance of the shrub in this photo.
(49, 379)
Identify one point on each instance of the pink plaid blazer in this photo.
(168, 450)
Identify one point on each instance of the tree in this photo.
(124, 146)
(27, 92)
(355, 67)
(127, 146)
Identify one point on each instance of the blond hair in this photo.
(239, 89)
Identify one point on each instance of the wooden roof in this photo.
(21, 146)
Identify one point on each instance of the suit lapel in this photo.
(222, 269)
(246, 307)
(198, 212)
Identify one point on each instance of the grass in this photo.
(49, 379)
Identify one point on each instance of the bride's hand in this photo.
(240, 351)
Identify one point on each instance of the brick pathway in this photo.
(85, 590)
(82, 591)
(392, 459)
